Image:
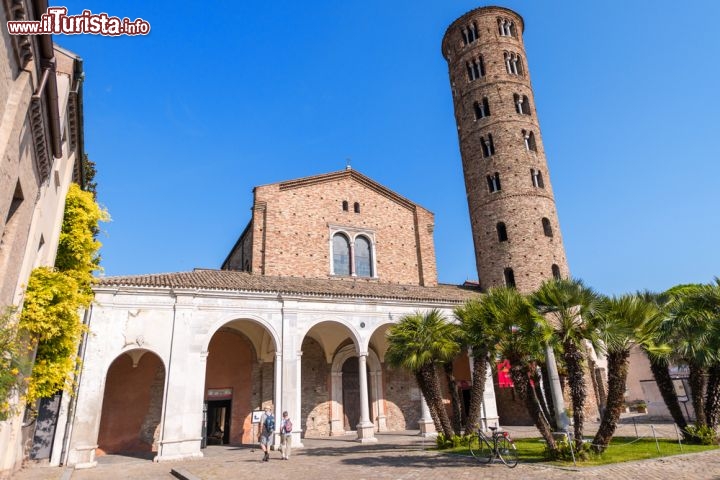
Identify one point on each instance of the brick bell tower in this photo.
(512, 209)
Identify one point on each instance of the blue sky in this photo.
(223, 96)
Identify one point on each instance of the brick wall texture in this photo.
(292, 224)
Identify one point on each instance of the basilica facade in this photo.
(296, 318)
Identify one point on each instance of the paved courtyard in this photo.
(395, 456)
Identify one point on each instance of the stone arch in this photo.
(375, 386)
(240, 376)
(228, 319)
(318, 346)
(130, 420)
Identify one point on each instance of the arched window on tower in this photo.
(529, 138)
(522, 104)
(475, 68)
(488, 147)
(513, 64)
(482, 109)
(509, 277)
(341, 254)
(501, 232)
(363, 257)
(525, 105)
(494, 182)
(537, 179)
(506, 27)
(555, 272)
(547, 228)
(469, 33)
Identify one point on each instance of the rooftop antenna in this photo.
(347, 164)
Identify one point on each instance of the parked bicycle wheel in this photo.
(480, 449)
(507, 451)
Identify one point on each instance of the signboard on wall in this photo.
(219, 394)
(256, 416)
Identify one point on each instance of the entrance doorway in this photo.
(351, 393)
(218, 422)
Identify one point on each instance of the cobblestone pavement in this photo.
(395, 456)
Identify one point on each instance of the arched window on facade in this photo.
(363, 257)
(475, 68)
(501, 232)
(556, 272)
(547, 228)
(356, 207)
(509, 277)
(341, 254)
(487, 145)
(345, 205)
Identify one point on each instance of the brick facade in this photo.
(292, 223)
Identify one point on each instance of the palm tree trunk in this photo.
(456, 419)
(427, 396)
(576, 379)
(697, 383)
(479, 375)
(712, 398)
(617, 379)
(434, 397)
(519, 375)
(537, 386)
(667, 390)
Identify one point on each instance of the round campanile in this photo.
(512, 209)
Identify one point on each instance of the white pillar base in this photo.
(366, 433)
(427, 428)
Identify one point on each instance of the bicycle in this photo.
(500, 445)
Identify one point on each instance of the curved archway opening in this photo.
(132, 405)
(239, 378)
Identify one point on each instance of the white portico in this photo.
(162, 348)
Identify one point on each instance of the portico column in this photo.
(277, 396)
(365, 429)
(427, 426)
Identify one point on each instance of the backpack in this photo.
(269, 423)
(288, 426)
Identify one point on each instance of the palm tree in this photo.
(521, 335)
(481, 328)
(570, 308)
(693, 331)
(622, 324)
(658, 353)
(689, 330)
(419, 342)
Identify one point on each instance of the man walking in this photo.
(286, 436)
(267, 429)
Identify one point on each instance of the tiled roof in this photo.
(246, 282)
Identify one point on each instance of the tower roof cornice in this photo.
(486, 9)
